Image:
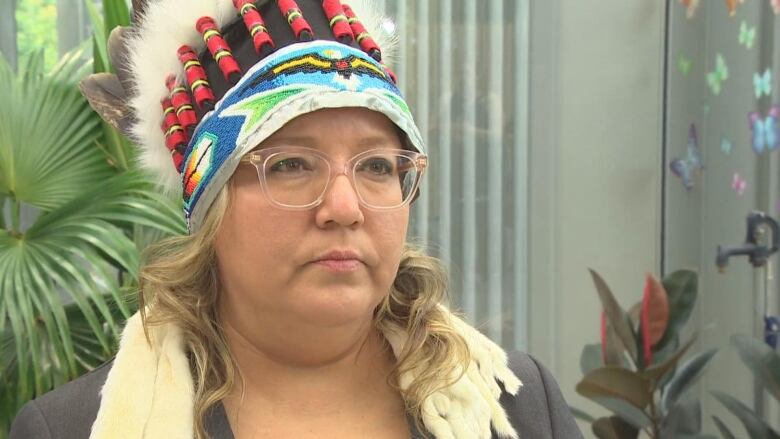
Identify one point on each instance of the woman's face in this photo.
(266, 255)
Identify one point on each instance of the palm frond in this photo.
(70, 253)
(47, 135)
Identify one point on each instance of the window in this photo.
(464, 72)
(53, 26)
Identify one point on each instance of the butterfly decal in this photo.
(716, 77)
(684, 64)
(731, 5)
(726, 146)
(738, 184)
(747, 35)
(775, 6)
(765, 130)
(689, 167)
(690, 7)
(762, 83)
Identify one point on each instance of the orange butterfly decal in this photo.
(690, 6)
(732, 6)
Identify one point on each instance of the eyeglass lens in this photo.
(297, 179)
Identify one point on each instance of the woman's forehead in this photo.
(347, 128)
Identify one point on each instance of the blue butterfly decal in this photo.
(765, 130)
(689, 167)
(762, 83)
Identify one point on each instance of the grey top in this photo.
(537, 411)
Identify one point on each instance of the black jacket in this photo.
(537, 411)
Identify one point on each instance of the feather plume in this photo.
(381, 28)
(107, 97)
(138, 9)
(118, 54)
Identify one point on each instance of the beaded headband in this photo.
(200, 83)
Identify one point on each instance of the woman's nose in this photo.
(340, 204)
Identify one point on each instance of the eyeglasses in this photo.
(296, 177)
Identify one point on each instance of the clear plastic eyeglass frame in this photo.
(260, 159)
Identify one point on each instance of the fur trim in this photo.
(149, 391)
(162, 28)
(468, 407)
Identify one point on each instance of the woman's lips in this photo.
(339, 265)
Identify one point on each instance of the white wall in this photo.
(595, 189)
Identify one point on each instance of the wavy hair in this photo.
(179, 284)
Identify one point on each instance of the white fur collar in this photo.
(149, 390)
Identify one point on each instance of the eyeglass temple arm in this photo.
(423, 162)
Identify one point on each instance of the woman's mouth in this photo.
(339, 265)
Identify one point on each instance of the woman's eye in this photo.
(378, 166)
(292, 164)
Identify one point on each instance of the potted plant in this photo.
(637, 370)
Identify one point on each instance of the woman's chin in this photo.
(339, 306)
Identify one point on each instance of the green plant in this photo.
(636, 370)
(764, 363)
(119, 151)
(65, 279)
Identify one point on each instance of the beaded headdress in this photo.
(200, 83)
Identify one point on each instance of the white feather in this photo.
(378, 25)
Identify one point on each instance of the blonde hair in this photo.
(179, 283)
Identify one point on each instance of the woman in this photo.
(294, 308)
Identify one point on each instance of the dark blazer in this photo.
(538, 411)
